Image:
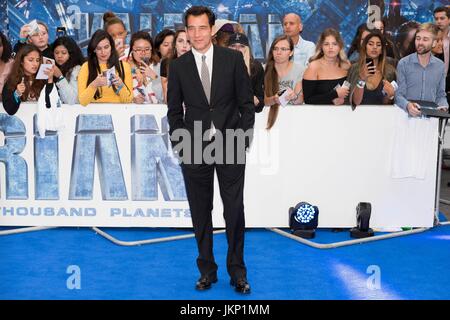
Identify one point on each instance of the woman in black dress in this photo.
(323, 80)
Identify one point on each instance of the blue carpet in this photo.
(34, 265)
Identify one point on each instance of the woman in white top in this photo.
(144, 68)
(68, 61)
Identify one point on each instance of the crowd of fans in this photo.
(377, 69)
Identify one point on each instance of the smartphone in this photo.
(146, 60)
(280, 93)
(61, 32)
(346, 84)
(118, 42)
(370, 64)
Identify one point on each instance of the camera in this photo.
(61, 32)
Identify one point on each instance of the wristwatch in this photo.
(361, 84)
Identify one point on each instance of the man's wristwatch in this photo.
(361, 84)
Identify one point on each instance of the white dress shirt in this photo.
(209, 63)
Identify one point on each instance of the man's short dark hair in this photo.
(442, 9)
(7, 49)
(198, 11)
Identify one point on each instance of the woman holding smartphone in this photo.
(117, 30)
(371, 76)
(144, 68)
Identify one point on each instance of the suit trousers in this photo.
(199, 181)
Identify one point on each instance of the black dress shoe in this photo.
(204, 283)
(241, 285)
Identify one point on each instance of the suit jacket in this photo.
(231, 98)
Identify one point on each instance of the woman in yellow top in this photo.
(93, 85)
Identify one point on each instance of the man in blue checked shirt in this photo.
(421, 76)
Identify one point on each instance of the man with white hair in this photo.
(303, 50)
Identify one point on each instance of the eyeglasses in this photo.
(145, 50)
(281, 49)
(39, 34)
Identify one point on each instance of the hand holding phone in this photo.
(120, 47)
(346, 84)
(371, 66)
(342, 91)
(61, 32)
(284, 97)
(20, 89)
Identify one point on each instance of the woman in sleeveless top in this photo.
(371, 76)
(323, 81)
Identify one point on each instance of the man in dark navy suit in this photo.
(210, 87)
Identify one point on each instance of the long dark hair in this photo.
(363, 51)
(402, 35)
(175, 38)
(17, 73)
(94, 66)
(142, 35)
(76, 57)
(174, 49)
(7, 48)
(159, 39)
(271, 86)
(356, 42)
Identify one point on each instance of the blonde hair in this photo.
(431, 28)
(238, 28)
(247, 58)
(342, 57)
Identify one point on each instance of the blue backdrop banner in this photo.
(260, 18)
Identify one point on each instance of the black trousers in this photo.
(199, 181)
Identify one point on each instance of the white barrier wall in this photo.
(329, 156)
